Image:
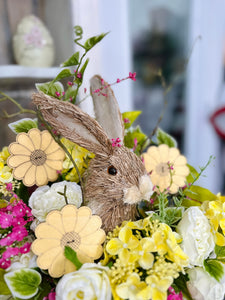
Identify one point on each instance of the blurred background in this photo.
(184, 39)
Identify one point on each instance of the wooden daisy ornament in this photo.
(35, 157)
(168, 169)
(73, 227)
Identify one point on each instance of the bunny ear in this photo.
(71, 122)
(106, 108)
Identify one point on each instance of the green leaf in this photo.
(63, 74)
(50, 88)
(199, 194)
(165, 138)
(23, 125)
(220, 251)
(192, 175)
(72, 61)
(135, 133)
(4, 290)
(214, 268)
(23, 283)
(71, 255)
(91, 42)
(180, 283)
(130, 116)
(71, 92)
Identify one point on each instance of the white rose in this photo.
(26, 260)
(45, 198)
(89, 282)
(198, 240)
(202, 286)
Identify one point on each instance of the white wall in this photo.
(204, 79)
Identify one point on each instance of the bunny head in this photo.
(116, 179)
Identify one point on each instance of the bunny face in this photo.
(114, 185)
(116, 179)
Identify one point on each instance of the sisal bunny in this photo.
(116, 179)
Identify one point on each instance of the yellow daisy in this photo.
(167, 168)
(72, 227)
(35, 157)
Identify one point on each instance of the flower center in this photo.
(162, 169)
(38, 157)
(71, 239)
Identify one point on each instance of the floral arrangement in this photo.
(68, 233)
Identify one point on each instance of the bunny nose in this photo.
(135, 194)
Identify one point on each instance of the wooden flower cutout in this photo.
(35, 157)
(167, 168)
(72, 227)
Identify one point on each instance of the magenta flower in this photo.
(173, 295)
(4, 263)
(5, 220)
(25, 248)
(7, 241)
(18, 222)
(19, 233)
(132, 76)
(10, 252)
(51, 295)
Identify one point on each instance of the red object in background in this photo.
(218, 121)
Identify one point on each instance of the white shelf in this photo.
(16, 71)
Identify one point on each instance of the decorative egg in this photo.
(32, 43)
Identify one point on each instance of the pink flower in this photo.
(5, 220)
(57, 94)
(25, 248)
(132, 76)
(135, 144)
(126, 120)
(50, 296)
(10, 252)
(19, 233)
(118, 80)
(4, 263)
(79, 75)
(9, 186)
(70, 83)
(19, 222)
(102, 81)
(173, 295)
(116, 143)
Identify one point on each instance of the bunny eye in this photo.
(112, 170)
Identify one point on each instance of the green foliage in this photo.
(23, 125)
(220, 253)
(50, 88)
(129, 139)
(131, 116)
(91, 42)
(23, 283)
(214, 268)
(181, 284)
(4, 290)
(199, 195)
(72, 61)
(63, 74)
(71, 255)
(193, 175)
(165, 138)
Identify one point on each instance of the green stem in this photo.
(77, 71)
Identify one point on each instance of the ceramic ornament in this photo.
(32, 43)
(116, 179)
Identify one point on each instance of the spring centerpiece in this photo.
(93, 208)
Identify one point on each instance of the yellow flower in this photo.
(158, 287)
(133, 289)
(35, 157)
(144, 253)
(166, 243)
(168, 169)
(72, 227)
(123, 245)
(215, 212)
(6, 175)
(4, 154)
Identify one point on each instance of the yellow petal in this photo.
(69, 213)
(42, 245)
(41, 176)
(23, 139)
(83, 217)
(83, 258)
(178, 180)
(92, 226)
(46, 231)
(93, 251)
(146, 261)
(46, 140)
(54, 218)
(21, 170)
(69, 266)
(17, 149)
(54, 164)
(125, 234)
(57, 268)
(114, 246)
(45, 260)
(35, 136)
(96, 237)
(51, 173)
(181, 170)
(164, 153)
(173, 154)
(220, 239)
(181, 160)
(29, 178)
(16, 160)
(58, 154)
(153, 152)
